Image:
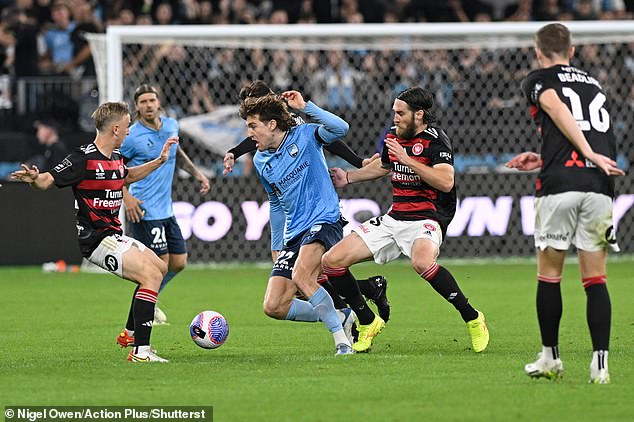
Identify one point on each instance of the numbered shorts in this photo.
(583, 219)
(326, 234)
(388, 238)
(162, 236)
(109, 253)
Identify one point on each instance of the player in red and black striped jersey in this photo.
(97, 174)
(419, 157)
(574, 195)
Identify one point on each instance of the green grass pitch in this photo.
(57, 347)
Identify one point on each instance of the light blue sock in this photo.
(168, 277)
(302, 311)
(322, 302)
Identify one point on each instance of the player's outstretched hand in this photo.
(133, 211)
(526, 161)
(367, 161)
(204, 183)
(229, 161)
(294, 99)
(338, 177)
(165, 152)
(26, 175)
(606, 164)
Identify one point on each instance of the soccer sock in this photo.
(368, 288)
(301, 310)
(599, 360)
(345, 283)
(168, 277)
(338, 302)
(129, 325)
(322, 302)
(144, 303)
(550, 352)
(443, 282)
(549, 309)
(598, 311)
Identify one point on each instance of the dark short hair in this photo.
(144, 89)
(553, 38)
(268, 108)
(418, 98)
(255, 89)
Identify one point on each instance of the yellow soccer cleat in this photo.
(367, 334)
(479, 333)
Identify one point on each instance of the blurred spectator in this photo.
(334, 85)
(547, 10)
(53, 149)
(585, 11)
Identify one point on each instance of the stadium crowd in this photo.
(44, 40)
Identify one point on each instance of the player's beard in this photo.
(408, 133)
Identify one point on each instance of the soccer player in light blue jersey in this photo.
(148, 203)
(304, 206)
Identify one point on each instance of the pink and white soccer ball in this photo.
(209, 329)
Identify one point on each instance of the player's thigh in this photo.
(109, 254)
(144, 267)
(350, 250)
(377, 235)
(550, 262)
(594, 231)
(308, 265)
(556, 220)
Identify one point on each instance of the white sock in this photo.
(550, 352)
(600, 360)
(130, 332)
(340, 337)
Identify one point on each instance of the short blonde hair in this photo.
(108, 113)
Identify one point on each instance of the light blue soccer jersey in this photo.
(296, 176)
(142, 145)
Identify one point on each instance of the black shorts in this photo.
(162, 236)
(328, 234)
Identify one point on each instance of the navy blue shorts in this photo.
(162, 236)
(325, 233)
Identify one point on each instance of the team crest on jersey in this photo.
(429, 227)
(63, 165)
(417, 149)
(293, 150)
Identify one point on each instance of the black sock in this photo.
(348, 288)
(336, 299)
(599, 314)
(368, 288)
(130, 324)
(444, 283)
(549, 309)
(144, 303)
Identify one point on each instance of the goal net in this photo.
(474, 71)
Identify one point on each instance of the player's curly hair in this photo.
(418, 98)
(255, 89)
(108, 113)
(268, 108)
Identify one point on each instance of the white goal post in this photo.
(473, 70)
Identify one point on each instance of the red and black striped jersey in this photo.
(413, 198)
(97, 182)
(563, 168)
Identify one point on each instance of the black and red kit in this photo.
(563, 168)
(413, 198)
(97, 183)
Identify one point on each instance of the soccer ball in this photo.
(209, 329)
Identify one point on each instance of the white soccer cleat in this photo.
(343, 349)
(551, 369)
(347, 318)
(599, 368)
(144, 354)
(159, 317)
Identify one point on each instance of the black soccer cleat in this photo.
(380, 297)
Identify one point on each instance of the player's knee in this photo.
(423, 264)
(161, 267)
(273, 310)
(178, 265)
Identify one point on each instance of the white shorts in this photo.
(388, 238)
(109, 253)
(583, 219)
